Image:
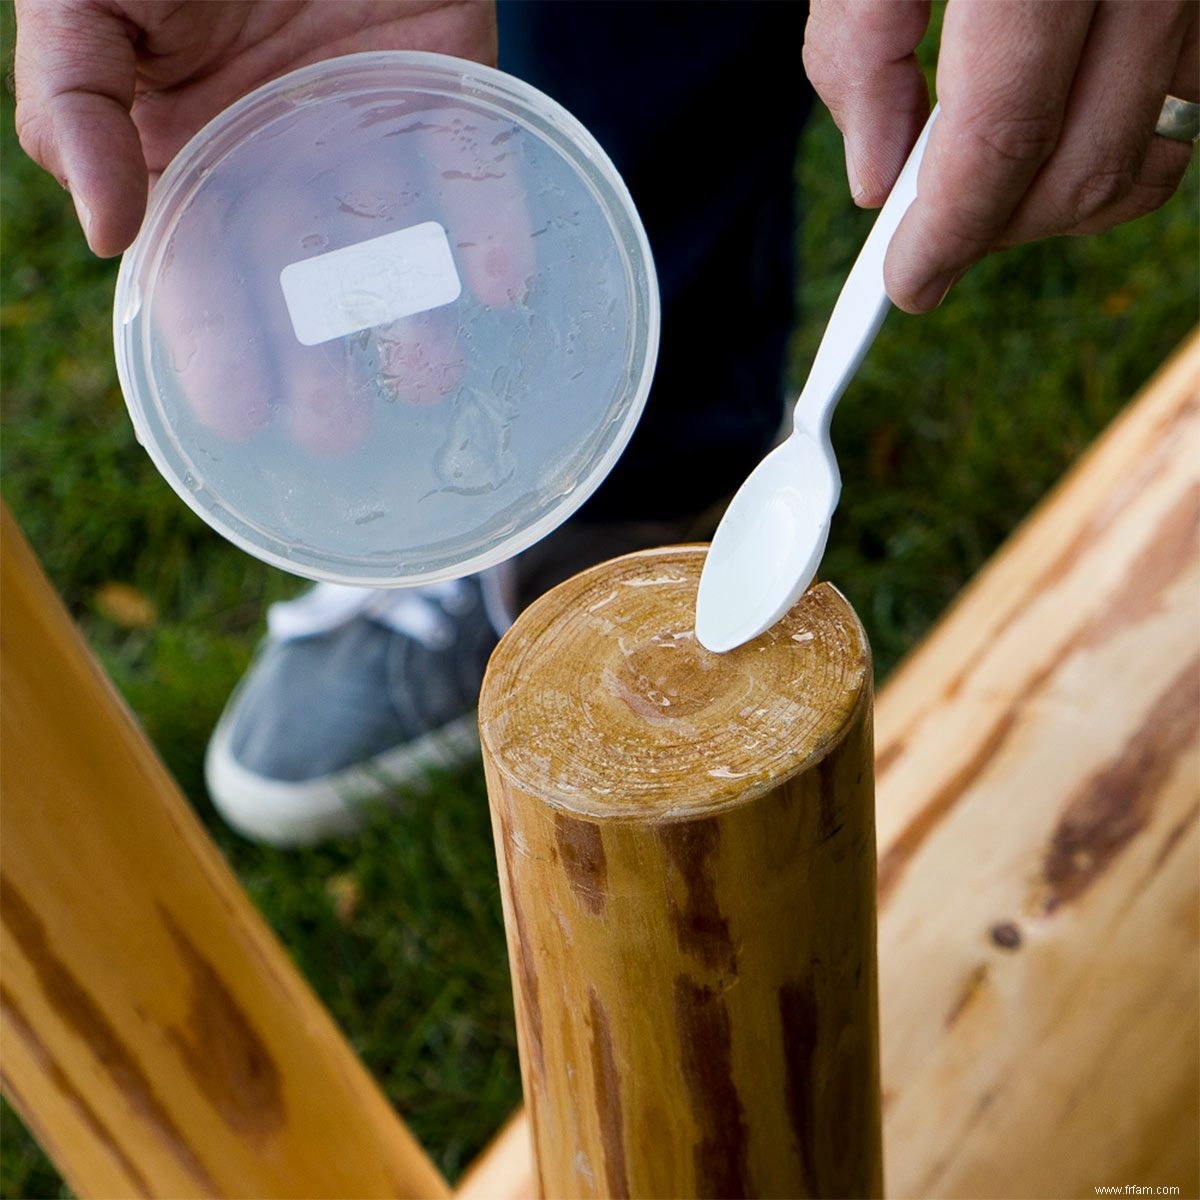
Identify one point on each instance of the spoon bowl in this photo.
(771, 541)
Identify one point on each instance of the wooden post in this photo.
(687, 861)
(157, 1039)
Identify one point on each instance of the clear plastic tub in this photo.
(390, 319)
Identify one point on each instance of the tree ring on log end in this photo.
(601, 701)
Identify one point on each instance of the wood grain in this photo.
(157, 1039)
(1038, 801)
(687, 862)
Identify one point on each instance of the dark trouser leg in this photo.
(699, 105)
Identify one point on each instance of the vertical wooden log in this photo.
(687, 861)
(157, 1039)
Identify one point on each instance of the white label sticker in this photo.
(370, 283)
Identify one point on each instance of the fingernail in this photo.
(852, 173)
(85, 215)
(935, 291)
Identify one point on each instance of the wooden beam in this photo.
(504, 1168)
(1037, 804)
(687, 855)
(157, 1039)
(1039, 770)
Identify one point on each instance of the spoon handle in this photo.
(860, 308)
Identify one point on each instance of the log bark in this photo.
(1038, 806)
(157, 1039)
(686, 847)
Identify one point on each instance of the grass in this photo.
(958, 423)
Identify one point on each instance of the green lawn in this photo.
(958, 423)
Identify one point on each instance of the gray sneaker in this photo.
(356, 693)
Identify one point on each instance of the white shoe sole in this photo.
(284, 813)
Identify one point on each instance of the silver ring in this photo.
(1179, 120)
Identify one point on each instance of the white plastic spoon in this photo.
(769, 543)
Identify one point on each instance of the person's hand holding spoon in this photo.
(1058, 118)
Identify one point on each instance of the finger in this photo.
(859, 57)
(329, 410)
(322, 394)
(279, 37)
(475, 168)
(326, 391)
(1185, 84)
(75, 70)
(209, 328)
(1158, 180)
(1107, 163)
(1004, 78)
(1166, 161)
(329, 391)
(420, 358)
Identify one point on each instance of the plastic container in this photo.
(390, 319)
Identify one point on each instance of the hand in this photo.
(1047, 121)
(108, 92)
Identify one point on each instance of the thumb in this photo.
(75, 69)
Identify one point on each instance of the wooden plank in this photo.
(687, 855)
(157, 1039)
(1038, 796)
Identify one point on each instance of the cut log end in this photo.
(613, 685)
